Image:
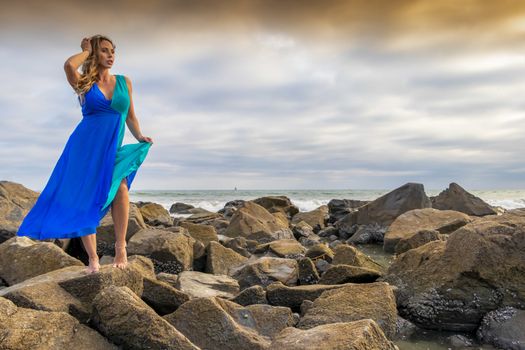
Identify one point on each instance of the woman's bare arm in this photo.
(74, 62)
(131, 120)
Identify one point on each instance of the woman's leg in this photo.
(89, 242)
(120, 214)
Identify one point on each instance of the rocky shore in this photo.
(260, 274)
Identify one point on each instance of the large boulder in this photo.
(254, 222)
(162, 296)
(504, 328)
(154, 213)
(15, 202)
(22, 258)
(349, 255)
(120, 315)
(338, 208)
(266, 270)
(385, 209)
(215, 323)
(199, 284)
(221, 259)
(408, 224)
(22, 329)
(451, 285)
(276, 204)
(315, 218)
(202, 233)
(457, 198)
(354, 302)
(282, 248)
(292, 297)
(357, 335)
(164, 246)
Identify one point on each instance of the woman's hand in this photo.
(85, 45)
(145, 139)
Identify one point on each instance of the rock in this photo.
(208, 323)
(161, 296)
(451, 285)
(320, 251)
(339, 274)
(281, 218)
(199, 284)
(315, 218)
(15, 202)
(282, 248)
(154, 214)
(354, 302)
(251, 295)
(292, 297)
(180, 208)
(203, 217)
(241, 245)
(385, 209)
(221, 259)
(409, 223)
(120, 315)
(348, 255)
(302, 229)
(22, 329)
(276, 204)
(269, 320)
(266, 270)
(169, 278)
(106, 230)
(457, 198)
(338, 208)
(504, 328)
(307, 272)
(22, 258)
(163, 246)
(231, 207)
(356, 335)
(202, 233)
(417, 240)
(370, 233)
(254, 222)
(458, 341)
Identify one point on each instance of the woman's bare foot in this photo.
(121, 257)
(94, 266)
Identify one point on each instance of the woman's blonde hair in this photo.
(89, 75)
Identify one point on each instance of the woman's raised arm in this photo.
(74, 62)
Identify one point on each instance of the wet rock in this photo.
(354, 302)
(451, 285)
(356, 335)
(266, 270)
(413, 221)
(457, 198)
(251, 295)
(504, 328)
(180, 208)
(338, 208)
(121, 316)
(339, 274)
(22, 329)
(221, 259)
(370, 233)
(22, 258)
(199, 284)
(254, 222)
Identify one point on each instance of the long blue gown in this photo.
(88, 173)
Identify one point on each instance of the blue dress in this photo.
(87, 175)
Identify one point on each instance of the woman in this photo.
(94, 171)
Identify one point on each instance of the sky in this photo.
(267, 94)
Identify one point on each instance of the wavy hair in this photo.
(89, 75)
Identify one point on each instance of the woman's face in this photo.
(106, 54)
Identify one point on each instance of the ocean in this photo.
(305, 200)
